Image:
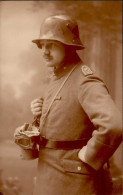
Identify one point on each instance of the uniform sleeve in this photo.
(106, 118)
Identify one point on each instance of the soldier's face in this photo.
(53, 53)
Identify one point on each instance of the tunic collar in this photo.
(62, 71)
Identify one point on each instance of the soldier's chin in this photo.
(49, 64)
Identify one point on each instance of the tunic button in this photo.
(79, 168)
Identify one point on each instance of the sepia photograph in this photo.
(61, 97)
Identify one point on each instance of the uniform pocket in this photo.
(78, 167)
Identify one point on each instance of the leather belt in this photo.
(63, 145)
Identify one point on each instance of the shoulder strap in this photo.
(59, 89)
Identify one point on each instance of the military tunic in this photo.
(83, 109)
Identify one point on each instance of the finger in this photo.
(37, 100)
(36, 105)
(37, 113)
(36, 109)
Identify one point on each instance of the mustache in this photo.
(47, 56)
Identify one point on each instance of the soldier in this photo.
(80, 126)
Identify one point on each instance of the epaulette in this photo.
(86, 70)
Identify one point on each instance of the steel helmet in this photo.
(60, 28)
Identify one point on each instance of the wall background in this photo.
(23, 74)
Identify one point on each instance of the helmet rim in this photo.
(76, 46)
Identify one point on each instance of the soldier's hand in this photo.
(36, 106)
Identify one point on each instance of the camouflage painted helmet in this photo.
(60, 28)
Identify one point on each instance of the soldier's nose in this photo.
(46, 51)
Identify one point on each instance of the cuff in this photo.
(81, 154)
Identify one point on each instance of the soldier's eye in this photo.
(49, 46)
(42, 44)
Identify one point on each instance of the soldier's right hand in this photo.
(36, 106)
